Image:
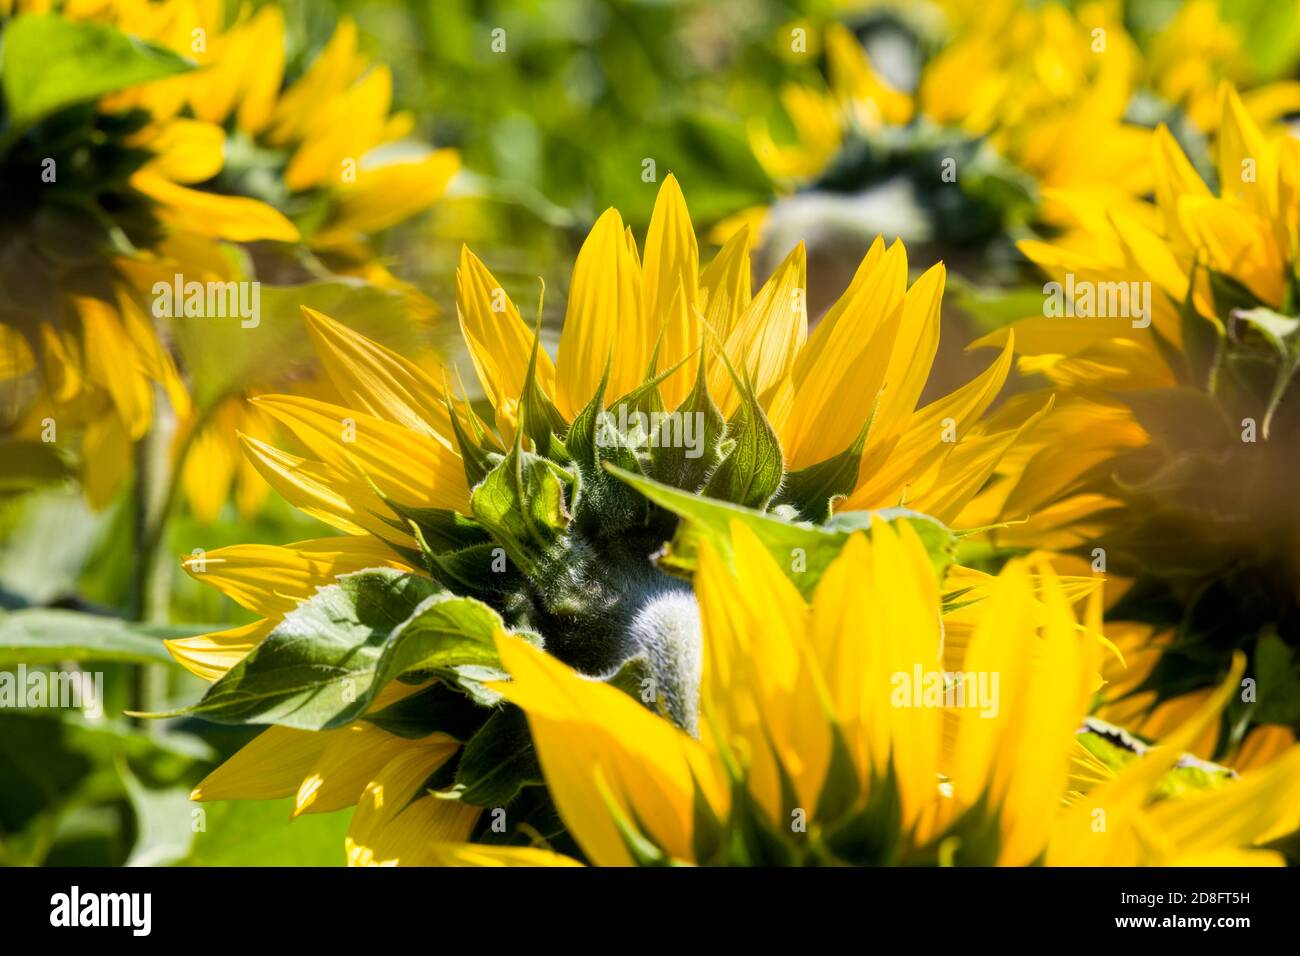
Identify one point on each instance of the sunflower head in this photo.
(73, 206)
(841, 726)
(1177, 455)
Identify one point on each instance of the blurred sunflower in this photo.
(545, 515)
(1017, 99)
(1172, 457)
(816, 752)
(1196, 51)
(106, 183)
(156, 176)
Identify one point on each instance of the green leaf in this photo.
(322, 666)
(30, 464)
(45, 636)
(802, 549)
(164, 821)
(1278, 670)
(50, 62)
(751, 472)
(498, 761)
(54, 762)
(265, 833)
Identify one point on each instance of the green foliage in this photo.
(47, 636)
(324, 664)
(51, 63)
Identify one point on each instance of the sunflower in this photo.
(1018, 99)
(1195, 52)
(539, 508)
(110, 183)
(1170, 458)
(196, 160)
(817, 749)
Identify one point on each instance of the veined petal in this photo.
(383, 196)
(236, 218)
(768, 336)
(271, 580)
(1175, 178)
(1244, 160)
(1259, 806)
(500, 343)
(604, 321)
(377, 380)
(929, 438)
(351, 125)
(724, 285)
(477, 854)
(209, 656)
(672, 257)
(113, 363)
(839, 374)
(186, 150)
(324, 492)
(409, 467)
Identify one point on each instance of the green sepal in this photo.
(1203, 341)
(473, 570)
(437, 709)
(523, 504)
(498, 761)
(478, 461)
(751, 471)
(631, 678)
(871, 835)
(1282, 333)
(671, 464)
(814, 491)
(441, 529)
(540, 420)
(604, 506)
(1230, 295)
(840, 787)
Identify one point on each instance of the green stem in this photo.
(151, 580)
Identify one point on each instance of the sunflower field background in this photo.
(645, 432)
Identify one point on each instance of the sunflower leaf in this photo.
(329, 657)
(803, 549)
(51, 62)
